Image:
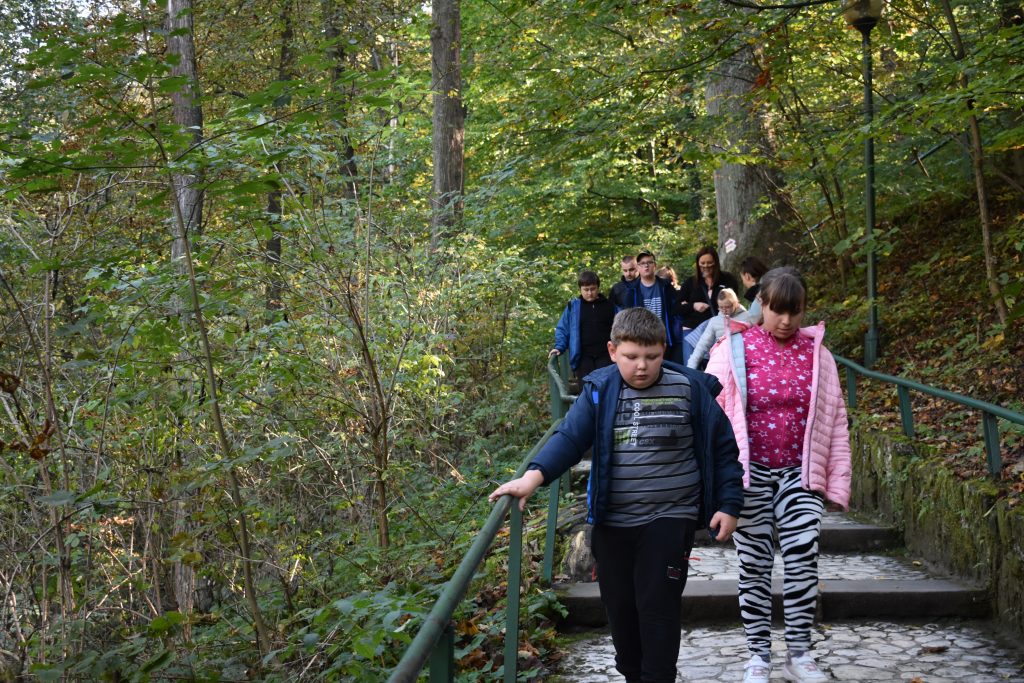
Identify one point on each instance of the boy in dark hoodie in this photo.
(585, 327)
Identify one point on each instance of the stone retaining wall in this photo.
(959, 526)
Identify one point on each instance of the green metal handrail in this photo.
(435, 640)
(989, 411)
(558, 370)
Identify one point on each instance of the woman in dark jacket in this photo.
(697, 299)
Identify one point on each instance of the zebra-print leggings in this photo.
(776, 501)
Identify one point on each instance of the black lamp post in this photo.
(863, 15)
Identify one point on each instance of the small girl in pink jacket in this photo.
(782, 394)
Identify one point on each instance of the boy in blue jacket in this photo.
(585, 327)
(664, 464)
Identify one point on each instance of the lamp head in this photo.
(863, 15)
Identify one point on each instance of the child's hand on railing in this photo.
(521, 488)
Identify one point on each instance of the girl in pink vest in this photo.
(782, 394)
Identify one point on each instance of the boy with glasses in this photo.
(658, 296)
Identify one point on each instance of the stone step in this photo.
(839, 534)
(712, 560)
(720, 561)
(850, 586)
(889, 599)
(940, 651)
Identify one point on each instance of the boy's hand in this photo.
(554, 352)
(724, 524)
(522, 488)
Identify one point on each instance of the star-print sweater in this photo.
(778, 396)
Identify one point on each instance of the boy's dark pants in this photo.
(641, 571)
(591, 362)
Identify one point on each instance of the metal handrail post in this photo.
(442, 659)
(990, 428)
(548, 569)
(871, 337)
(515, 577)
(552, 526)
(851, 388)
(906, 411)
(559, 399)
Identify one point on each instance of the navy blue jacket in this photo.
(632, 298)
(590, 423)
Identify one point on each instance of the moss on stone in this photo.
(958, 526)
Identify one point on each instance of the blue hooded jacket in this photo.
(590, 423)
(567, 332)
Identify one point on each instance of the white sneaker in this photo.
(757, 670)
(802, 669)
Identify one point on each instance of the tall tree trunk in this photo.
(332, 32)
(448, 119)
(187, 220)
(978, 166)
(1011, 13)
(741, 188)
(652, 173)
(273, 251)
(188, 117)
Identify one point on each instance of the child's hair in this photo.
(667, 273)
(728, 295)
(588, 277)
(754, 267)
(783, 290)
(638, 325)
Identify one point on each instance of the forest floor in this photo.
(939, 327)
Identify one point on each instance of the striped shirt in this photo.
(652, 298)
(654, 471)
